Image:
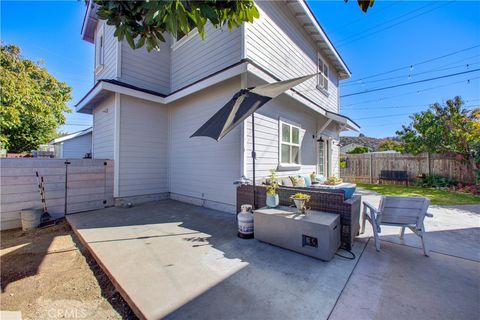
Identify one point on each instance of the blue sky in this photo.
(392, 35)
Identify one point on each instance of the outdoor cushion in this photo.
(349, 192)
(287, 182)
(308, 180)
(298, 181)
(321, 178)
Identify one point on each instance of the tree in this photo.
(387, 145)
(32, 102)
(145, 22)
(445, 129)
(358, 150)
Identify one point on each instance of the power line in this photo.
(409, 83)
(412, 106)
(394, 115)
(343, 43)
(369, 14)
(467, 65)
(418, 63)
(410, 92)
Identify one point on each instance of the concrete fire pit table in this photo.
(316, 234)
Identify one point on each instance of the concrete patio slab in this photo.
(453, 230)
(399, 284)
(174, 260)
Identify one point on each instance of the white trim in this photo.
(189, 36)
(116, 147)
(243, 45)
(227, 74)
(343, 121)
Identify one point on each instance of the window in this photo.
(323, 76)
(99, 49)
(324, 162)
(289, 144)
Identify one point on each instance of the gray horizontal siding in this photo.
(267, 137)
(278, 43)
(109, 70)
(103, 129)
(200, 167)
(143, 165)
(148, 70)
(198, 58)
(76, 148)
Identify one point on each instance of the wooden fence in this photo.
(87, 184)
(366, 168)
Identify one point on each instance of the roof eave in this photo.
(343, 70)
(89, 23)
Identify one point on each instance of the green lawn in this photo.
(438, 197)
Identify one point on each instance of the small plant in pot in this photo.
(301, 200)
(272, 186)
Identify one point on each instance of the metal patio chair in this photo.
(403, 212)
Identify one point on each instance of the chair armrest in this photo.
(428, 214)
(371, 207)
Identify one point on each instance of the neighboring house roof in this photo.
(72, 136)
(302, 11)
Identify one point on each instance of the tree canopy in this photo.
(447, 128)
(32, 102)
(388, 144)
(145, 22)
(358, 150)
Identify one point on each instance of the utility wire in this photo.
(368, 15)
(418, 63)
(410, 92)
(467, 65)
(408, 106)
(409, 83)
(394, 115)
(341, 44)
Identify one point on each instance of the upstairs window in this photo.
(323, 76)
(99, 49)
(289, 144)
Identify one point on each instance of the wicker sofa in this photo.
(322, 200)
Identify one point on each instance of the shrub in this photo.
(434, 181)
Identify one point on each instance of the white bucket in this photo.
(30, 218)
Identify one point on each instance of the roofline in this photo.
(319, 28)
(244, 65)
(72, 136)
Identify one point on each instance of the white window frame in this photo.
(99, 49)
(289, 165)
(180, 42)
(322, 78)
(326, 160)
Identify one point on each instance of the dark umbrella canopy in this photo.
(242, 105)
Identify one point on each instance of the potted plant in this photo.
(272, 196)
(333, 181)
(300, 200)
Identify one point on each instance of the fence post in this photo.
(66, 184)
(371, 166)
(429, 169)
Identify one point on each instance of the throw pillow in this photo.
(298, 181)
(308, 181)
(287, 182)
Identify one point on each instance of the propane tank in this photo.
(245, 222)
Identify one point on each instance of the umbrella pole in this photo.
(254, 156)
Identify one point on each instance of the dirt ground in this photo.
(48, 274)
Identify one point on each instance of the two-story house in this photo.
(145, 106)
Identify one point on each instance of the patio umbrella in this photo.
(243, 104)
